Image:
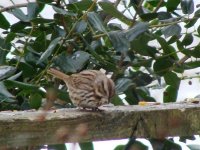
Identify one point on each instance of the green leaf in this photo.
(119, 41)
(188, 39)
(167, 49)
(144, 94)
(189, 137)
(191, 23)
(187, 6)
(173, 39)
(40, 43)
(172, 79)
(25, 105)
(165, 144)
(170, 94)
(191, 65)
(120, 147)
(111, 10)
(73, 63)
(179, 45)
(80, 5)
(197, 13)
(63, 95)
(10, 37)
(131, 96)
(6, 71)
(59, 32)
(27, 69)
(137, 145)
(3, 57)
(96, 22)
(20, 85)
(81, 26)
(172, 5)
(63, 12)
(154, 3)
(44, 2)
(140, 78)
(4, 50)
(198, 30)
(162, 66)
(170, 145)
(193, 146)
(171, 30)
(35, 100)
(15, 76)
(31, 58)
(116, 100)
(164, 16)
(59, 10)
(122, 85)
(115, 26)
(42, 5)
(42, 21)
(163, 44)
(86, 146)
(49, 50)
(19, 26)
(57, 147)
(20, 15)
(4, 24)
(195, 52)
(137, 6)
(148, 16)
(143, 49)
(4, 98)
(136, 30)
(4, 91)
(173, 53)
(33, 10)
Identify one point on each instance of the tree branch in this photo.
(16, 6)
(72, 125)
(158, 6)
(13, 7)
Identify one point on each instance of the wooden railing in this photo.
(19, 128)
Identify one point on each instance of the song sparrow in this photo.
(87, 89)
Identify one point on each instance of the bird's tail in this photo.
(58, 74)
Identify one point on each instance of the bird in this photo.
(88, 88)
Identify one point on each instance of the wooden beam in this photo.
(21, 128)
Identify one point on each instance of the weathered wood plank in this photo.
(72, 125)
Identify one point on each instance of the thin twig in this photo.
(108, 17)
(172, 23)
(136, 12)
(190, 77)
(117, 3)
(158, 6)
(13, 7)
(155, 26)
(182, 60)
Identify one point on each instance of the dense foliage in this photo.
(141, 42)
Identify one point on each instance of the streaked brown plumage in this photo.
(87, 89)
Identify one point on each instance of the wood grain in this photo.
(117, 122)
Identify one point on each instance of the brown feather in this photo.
(87, 89)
